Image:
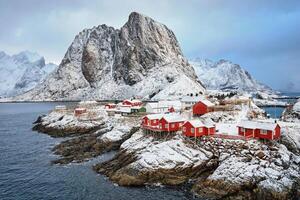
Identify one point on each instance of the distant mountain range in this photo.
(21, 72)
(226, 76)
(142, 58)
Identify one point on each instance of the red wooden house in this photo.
(202, 107)
(79, 111)
(171, 122)
(110, 106)
(262, 130)
(151, 121)
(134, 102)
(198, 128)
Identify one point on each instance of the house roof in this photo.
(110, 104)
(133, 101)
(173, 118)
(165, 104)
(155, 116)
(257, 125)
(201, 123)
(207, 102)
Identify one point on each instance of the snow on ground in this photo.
(117, 134)
(227, 128)
(167, 154)
(296, 107)
(277, 173)
(60, 120)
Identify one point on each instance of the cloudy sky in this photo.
(262, 36)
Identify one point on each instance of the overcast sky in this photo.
(262, 36)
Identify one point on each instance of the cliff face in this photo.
(143, 58)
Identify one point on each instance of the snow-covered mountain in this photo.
(21, 72)
(225, 75)
(142, 58)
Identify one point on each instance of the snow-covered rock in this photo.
(142, 58)
(292, 114)
(226, 76)
(21, 72)
(60, 124)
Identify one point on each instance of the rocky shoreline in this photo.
(226, 169)
(212, 168)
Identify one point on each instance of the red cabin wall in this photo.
(248, 132)
(163, 123)
(277, 132)
(200, 108)
(264, 136)
(188, 132)
(154, 122)
(211, 131)
(145, 121)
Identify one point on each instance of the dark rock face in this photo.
(128, 59)
(82, 148)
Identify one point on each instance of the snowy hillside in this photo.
(224, 75)
(142, 58)
(21, 72)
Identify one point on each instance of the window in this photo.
(166, 125)
(243, 130)
(200, 129)
(184, 129)
(192, 130)
(264, 132)
(172, 125)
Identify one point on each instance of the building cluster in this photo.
(174, 116)
(125, 107)
(163, 121)
(173, 122)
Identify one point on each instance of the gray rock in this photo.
(143, 58)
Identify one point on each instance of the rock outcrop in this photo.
(143, 58)
(61, 124)
(218, 168)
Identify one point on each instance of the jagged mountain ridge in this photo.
(21, 72)
(225, 75)
(142, 58)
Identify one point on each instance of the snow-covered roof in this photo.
(156, 105)
(191, 99)
(80, 109)
(173, 118)
(257, 125)
(87, 102)
(110, 104)
(133, 101)
(201, 123)
(165, 104)
(136, 101)
(154, 116)
(207, 102)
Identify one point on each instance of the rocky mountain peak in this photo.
(139, 59)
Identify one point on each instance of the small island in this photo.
(219, 149)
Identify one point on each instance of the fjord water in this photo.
(26, 171)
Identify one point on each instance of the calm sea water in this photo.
(26, 172)
(276, 112)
